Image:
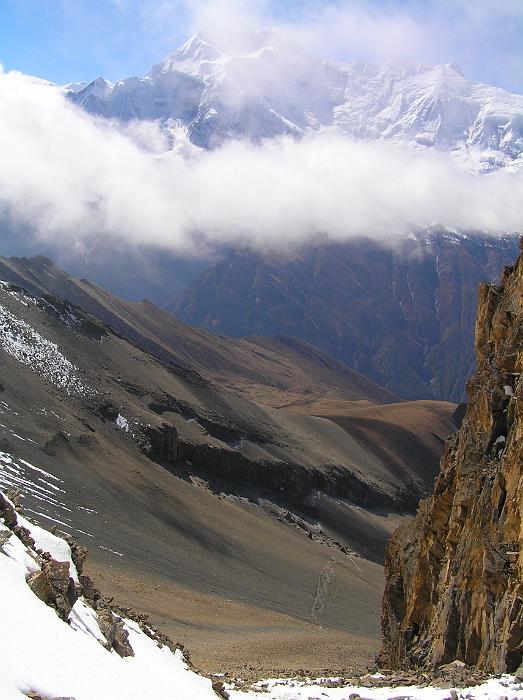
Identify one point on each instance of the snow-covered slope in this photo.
(268, 87)
(75, 657)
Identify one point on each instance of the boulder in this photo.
(39, 584)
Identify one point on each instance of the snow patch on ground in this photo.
(65, 316)
(16, 293)
(107, 549)
(20, 474)
(44, 540)
(28, 346)
(292, 689)
(82, 618)
(16, 473)
(122, 423)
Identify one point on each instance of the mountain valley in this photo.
(201, 487)
(261, 331)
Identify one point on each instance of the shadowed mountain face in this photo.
(182, 483)
(403, 316)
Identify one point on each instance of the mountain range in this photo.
(237, 457)
(399, 314)
(267, 86)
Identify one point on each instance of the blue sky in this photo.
(68, 40)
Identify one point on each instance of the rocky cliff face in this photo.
(455, 574)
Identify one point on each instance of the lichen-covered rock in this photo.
(454, 585)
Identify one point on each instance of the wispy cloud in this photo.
(70, 178)
(484, 37)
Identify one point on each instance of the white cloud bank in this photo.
(70, 178)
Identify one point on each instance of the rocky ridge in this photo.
(272, 371)
(215, 433)
(454, 587)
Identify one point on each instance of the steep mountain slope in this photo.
(101, 650)
(455, 575)
(273, 371)
(259, 519)
(265, 86)
(401, 315)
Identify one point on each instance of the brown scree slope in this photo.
(274, 371)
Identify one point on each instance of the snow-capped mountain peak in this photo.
(197, 47)
(99, 87)
(196, 57)
(260, 85)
